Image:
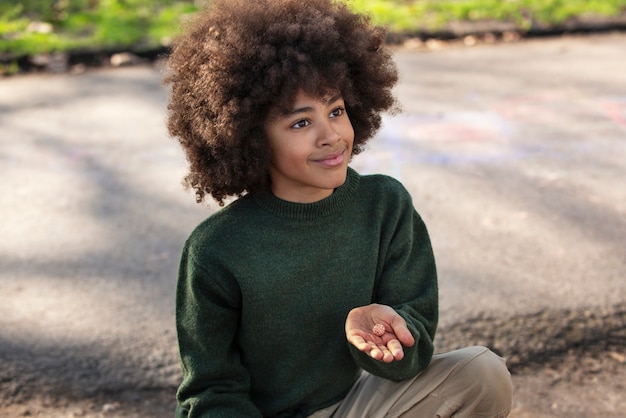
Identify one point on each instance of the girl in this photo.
(314, 293)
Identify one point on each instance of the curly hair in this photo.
(239, 60)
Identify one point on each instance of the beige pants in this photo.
(471, 382)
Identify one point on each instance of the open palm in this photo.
(387, 347)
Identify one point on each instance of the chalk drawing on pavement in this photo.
(446, 139)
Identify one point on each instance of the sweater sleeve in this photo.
(215, 383)
(407, 281)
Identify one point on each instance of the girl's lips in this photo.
(332, 160)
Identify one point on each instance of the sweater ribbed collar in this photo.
(308, 211)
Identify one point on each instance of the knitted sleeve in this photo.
(407, 281)
(215, 383)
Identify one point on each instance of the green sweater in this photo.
(265, 286)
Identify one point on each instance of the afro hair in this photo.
(239, 60)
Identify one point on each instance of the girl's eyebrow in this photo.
(305, 109)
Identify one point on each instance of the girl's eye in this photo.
(300, 124)
(337, 112)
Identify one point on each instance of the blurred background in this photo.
(512, 142)
(59, 33)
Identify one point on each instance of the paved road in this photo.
(514, 154)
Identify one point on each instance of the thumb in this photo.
(402, 332)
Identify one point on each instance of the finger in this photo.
(395, 349)
(372, 349)
(403, 334)
(380, 352)
(360, 343)
(386, 355)
(377, 354)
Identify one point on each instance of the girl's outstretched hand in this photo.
(386, 347)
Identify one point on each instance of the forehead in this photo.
(326, 97)
(301, 96)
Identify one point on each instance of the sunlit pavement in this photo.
(514, 155)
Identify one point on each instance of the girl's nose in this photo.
(327, 135)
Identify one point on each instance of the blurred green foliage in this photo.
(432, 15)
(29, 27)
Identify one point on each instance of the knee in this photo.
(491, 367)
(490, 373)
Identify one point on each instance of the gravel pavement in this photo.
(514, 154)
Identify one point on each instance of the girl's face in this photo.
(311, 146)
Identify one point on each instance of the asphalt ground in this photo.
(513, 152)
